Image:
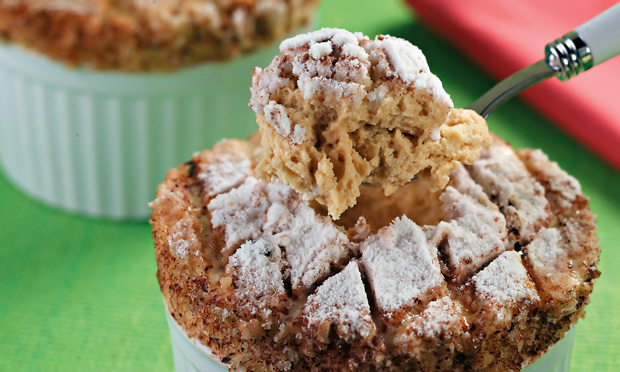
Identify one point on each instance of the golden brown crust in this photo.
(149, 36)
(472, 328)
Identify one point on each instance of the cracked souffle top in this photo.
(337, 109)
(484, 275)
(141, 35)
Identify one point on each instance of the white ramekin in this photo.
(98, 143)
(557, 359)
(191, 356)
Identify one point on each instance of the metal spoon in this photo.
(588, 45)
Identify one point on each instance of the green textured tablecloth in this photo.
(81, 294)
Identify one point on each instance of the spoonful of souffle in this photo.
(337, 109)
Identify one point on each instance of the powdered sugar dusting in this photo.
(407, 62)
(336, 64)
(377, 94)
(331, 76)
(312, 243)
(560, 181)
(563, 189)
(319, 50)
(257, 268)
(182, 239)
(274, 212)
(462, 181)
(400, 265)
(355, 51)
(508, 183)
(441, 318)
(505, 282)
(545, 251)
(341, 300)
(276, 116)
(396, 58)
(179, 245)
(475, 235)
(264, 82)
(240, 206)
(312, 86)
(338, 36)
(549, 256)
(226, 172)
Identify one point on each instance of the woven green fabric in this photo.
(81, 294)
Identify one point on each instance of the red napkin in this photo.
(504, 37)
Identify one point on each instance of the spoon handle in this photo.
(602, 34)
(590, 44)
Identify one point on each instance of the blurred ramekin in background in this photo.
(127, 93)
